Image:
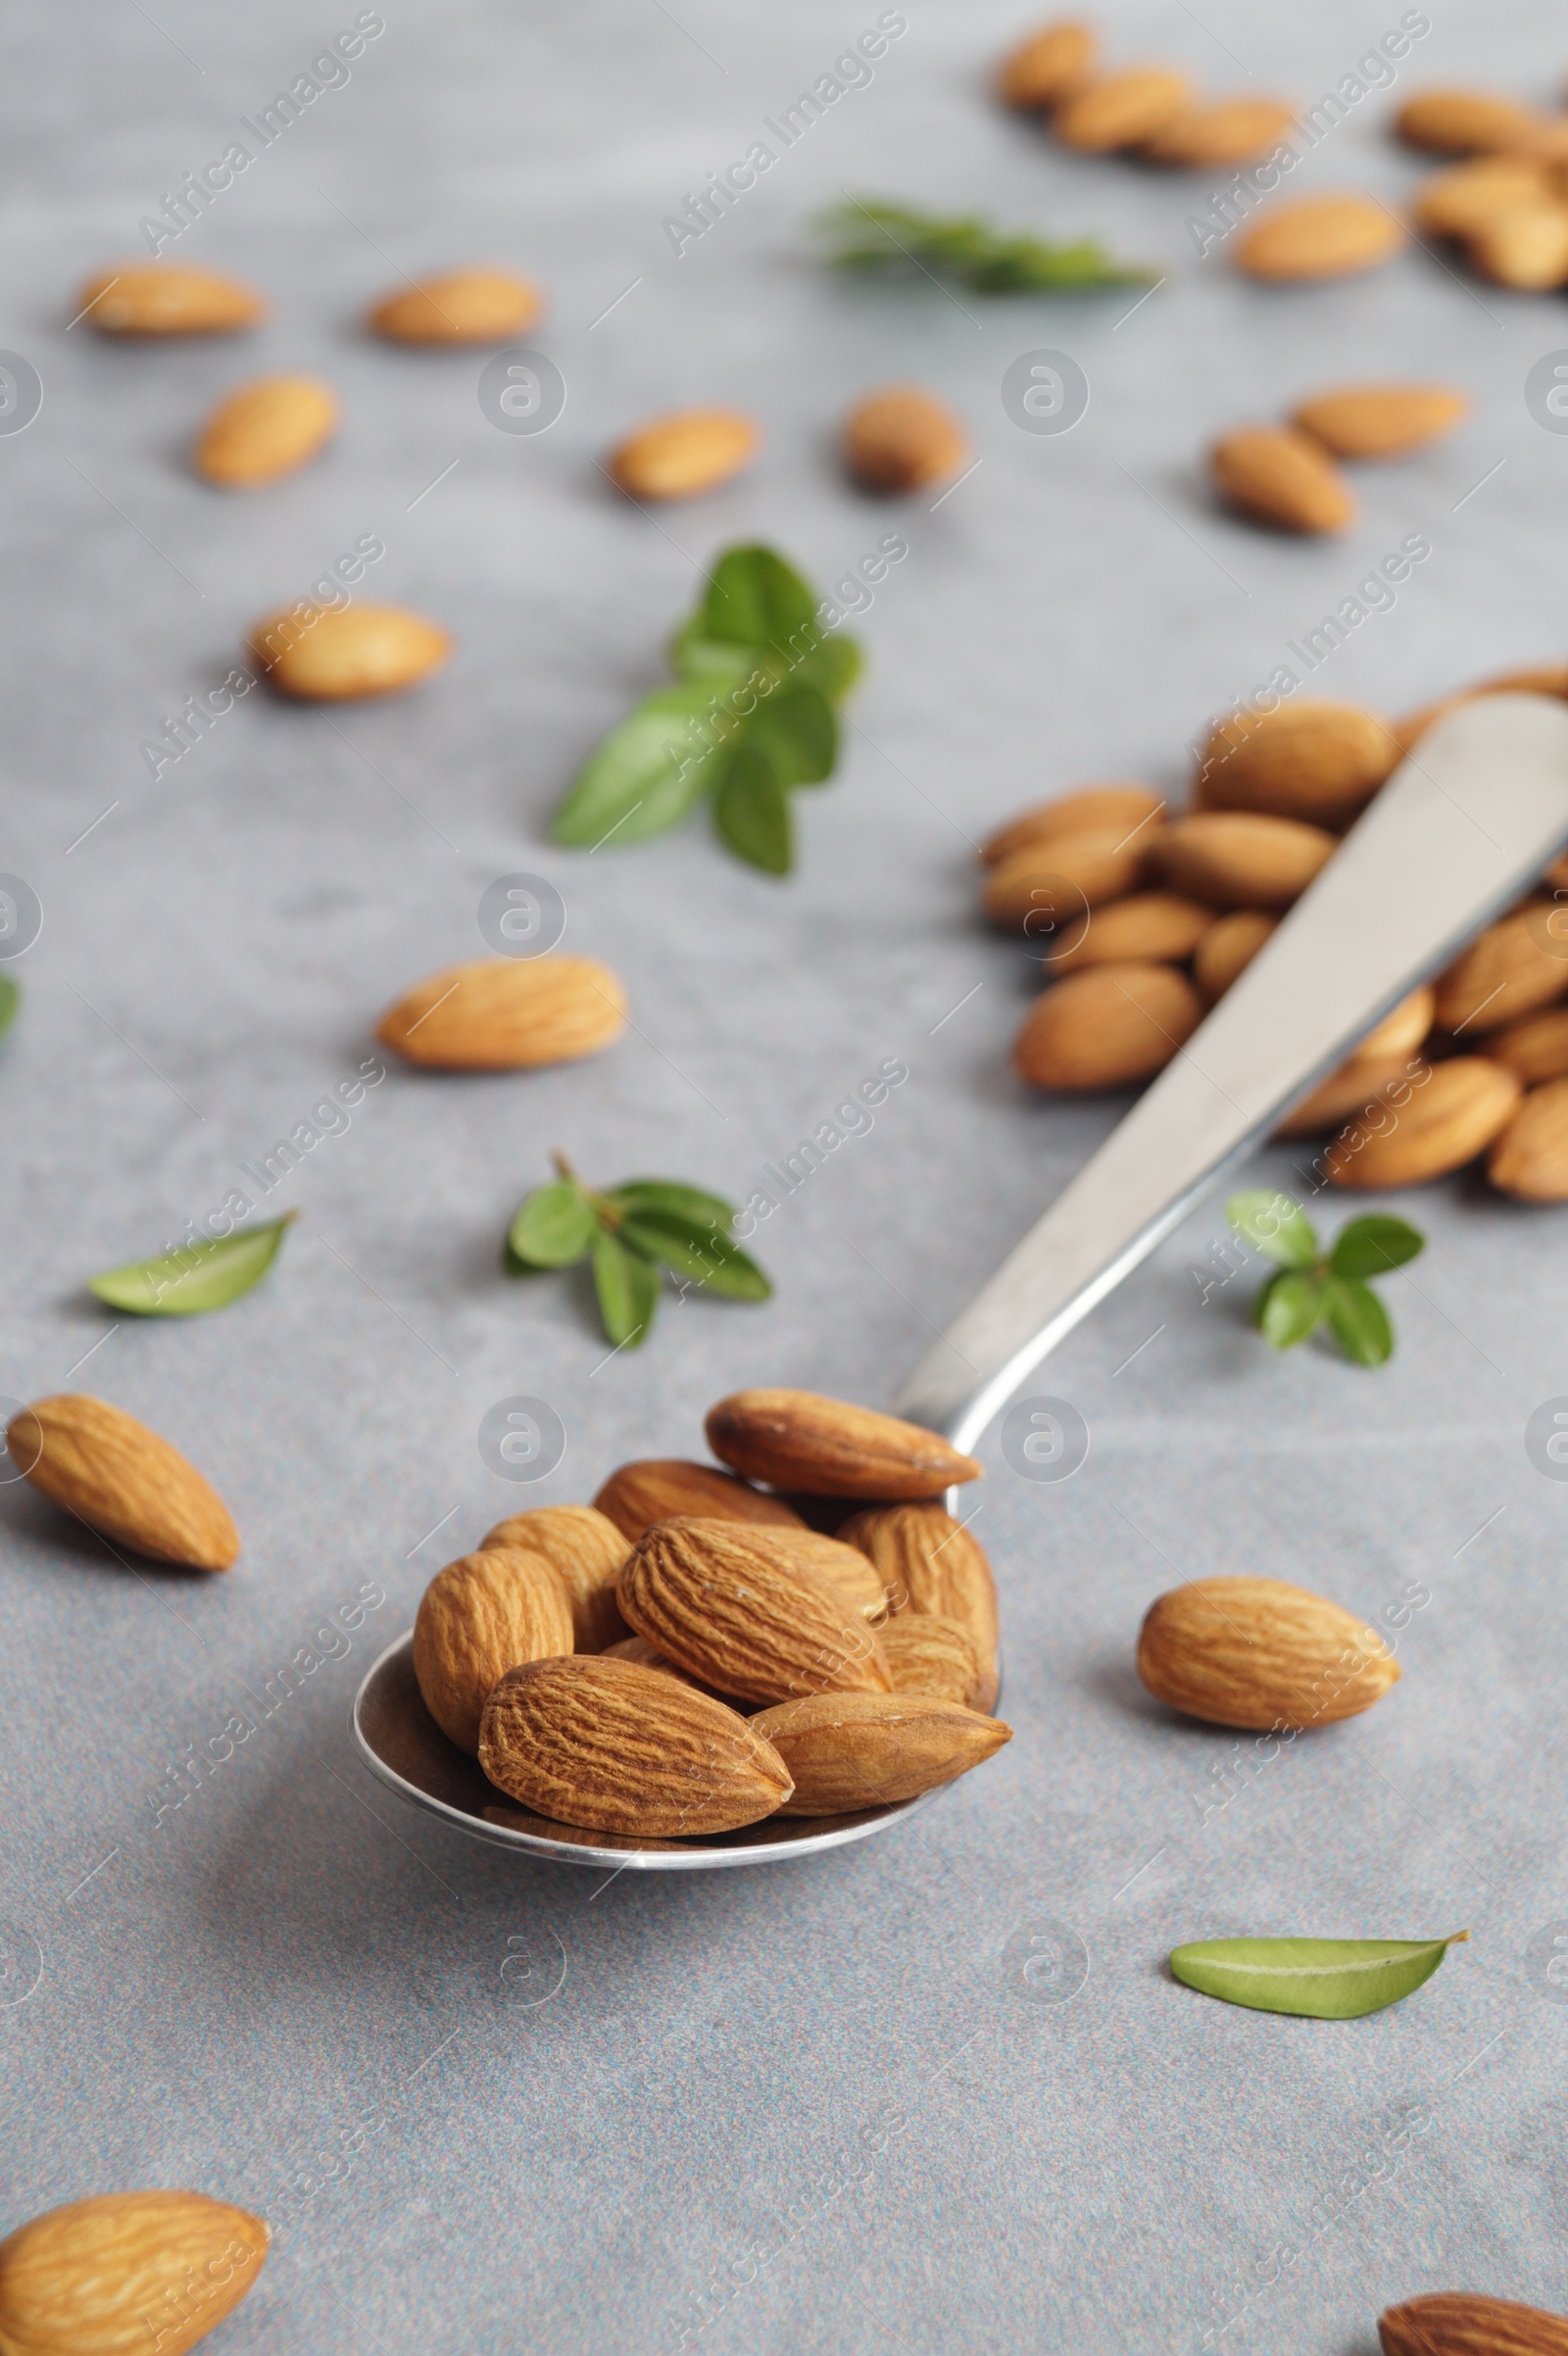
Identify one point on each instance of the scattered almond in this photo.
(690, 451)
(122, 1480)
(1382, 420)
(1462, 2322)
(262, 431)
(1283, 478)
(1036, 886)
(326, 654)
(1463, 122)
(659, 1489)
(848, 1752)
(1220, 132)
(1259, 1653)
(585, 1550)
(477, 1618)
(1458, 202)
(797, 1440)
(926, 1654)
(1227, 948)
(1320, 763)
(929, 1565)
(1320, 237)
(1093, 809)
(900, 438)
(474, 306)
(1527, 249)
(122, 2272)
(168, 298)
(506, 1014)
(1511, 968)
(1235, 858)
(1106, 1027)
(742, 1613)
(1122, 109)
(1445, 1122)
(1149, 926)
(1535, 1048)
(1042, 70)
(1530, 1159)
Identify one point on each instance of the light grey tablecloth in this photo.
(670, 2144)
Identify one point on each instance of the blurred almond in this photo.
(1346, 1092)
(1319, 238)
(1530, 1159)
(1320, 763)
(1035, 887)
(1461, 200)
(1510, 970)
(1527, 249)
(658, 1489)
(1260, 1654)
(926, 1654)
(1149, 926)
(1220, 132)
(477, 1618)
(506, 1014)
(1283, 478)
(1106, 1027)
(929, 1565)
(473, 306)
(168, 298)
(264, 430)
(324, 654)
(1402, 1031)
(1091, 810)
(848, 1752)
(1235, 858)
(1121, 110)
(1227, 948)
(1447, 1121)
(900, 438)
(1535, 1048)
(1382, 420)
(690, 451)
(1462, 2322)
(1462, 123)
(744, 1614)
(800, 1440)
(1047, 64)
(585, 1550)
(122, 2272)
(122, 1480)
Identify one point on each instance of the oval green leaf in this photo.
(755, 599)
(1371, 1247)
(1328, 1979)
(752, 811)
(834, 666)
(797, 733)
(1289, 1308)
(555, 1226)
(194, 1278)
(10, 1000)
(1274, 1225)
(667, 1198)
(722, 663)
(714, 1259)
(628, 1288)
(647, 773)
(1358, 1321)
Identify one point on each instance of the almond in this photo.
(1093, 809)
(585, 1550)
(663, 1489)
(122, 1480)
(898, 439)
(1150, 926)
(473, 306)
(1447, 1121)
(1462, 2322)
(844, 1567)
(1029, 888)
(1320, 763)
(1527, 249)
(848, 1751)
(1402, 1031)
(506, 1014)
(1350, 1090)
(1462, 123)
(1530, 1160)
(1382, 420)
(637, 1649)
(1461, 200)
(168, 298)
(1222, 130)
(1259, 1653)
(324, 656)
(1320, 237)
(929, 1564)
(623, 1748)
(1106, 1027)
(800, 1440)
(1227, 948)
(264, 430)
(927, 1654)
(1121, 110)
(1283, 478)
(1508, 970)
(1234, 859)
(477, 1618)
(1546, 679)
(1043, 69)
(127, 2272)
(690, 451)
(741, 1612)
(1534, 1050)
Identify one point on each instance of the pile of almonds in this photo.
(1145, 920)
(808, 1632)
(1285, 475)
(1148, 110)
(1506, 203)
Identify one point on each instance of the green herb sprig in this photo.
(1313, 1287)
(872, 233)
(10, 1000)
(634, 1234)
(754, 713)
(192, 1278)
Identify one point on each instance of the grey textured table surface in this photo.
(610, 2117)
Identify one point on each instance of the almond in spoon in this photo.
(585, 1550)
(746, 1615)
(799, 1440)
(478, 1618)
(1106, 1027)
(848, 1752)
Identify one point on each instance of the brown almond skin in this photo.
(1316, 761)
(168, 298)
(585, 1550)
(506, 1014)
(1530, 1160)
(1535, 1048)
(928, 1564)
(743, 1614)
(637, 1649)
(1259, 1653)
(1227, 948)
(1285, 478)
(1331, 236)
(928, 1655)
(1345, 1092)
(1093, 809)
(848, 1751)
(1508, 970)
(123, 1481)
(1106, 1027)
(900, 438)
(1444, 1124)
(1043, 69)
(659, 1489)
(1527, 249)
(324, 656)
(1463, 122)
(844, 1567)
(1224, 131)
(1382, 420)
(1239, 859)
(1404, 1028)
(120, 2273)
(623, 1748)
(1458, 202)
(265, 429)
(826, 1447)
(477, 1618)
(1151, 928)
(690, 451)
(1032, 888)
(1121, 110)
(471, 306)
(1463, 2322)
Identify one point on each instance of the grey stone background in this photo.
(818, 2107)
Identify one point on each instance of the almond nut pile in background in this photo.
(1287, 475)
(1148, 110)
(1506, 203)
(1141, 922)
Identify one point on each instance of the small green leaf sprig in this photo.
(753, 713)
(1327, 1978)
(10, 1000)
(190, 1279)
(634, 1234)
(1312, 1287)
(872, 233)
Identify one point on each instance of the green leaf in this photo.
(755, 599)
(871, 234)
(1371, 1247)
(724, 665)
(798, 732)
(628, 1288)
(833, 667)
(10, 1000)
(698, 1248)
(1289, 1308)
(555, 1226)
(1358, 1320)
(752, 811)
(193, 1278)
(667, 1197)
(1329, 1978)
(648, 773)
(1274, 1225)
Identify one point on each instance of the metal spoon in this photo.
(1466, 825)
